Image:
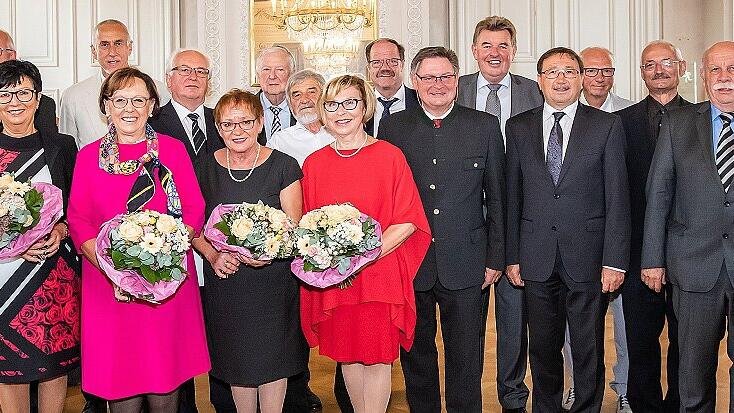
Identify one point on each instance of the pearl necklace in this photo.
(336, 143)
(254, 165)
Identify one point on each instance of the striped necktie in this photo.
(196, 132)
(725, 151)
(276, 120)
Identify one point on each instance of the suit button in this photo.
(434, 161)
(476, 165)
(556, 196)
(432, 186)
(727, 204)
(554, 228)
(725, 236)
(436, 211)
(433, 239)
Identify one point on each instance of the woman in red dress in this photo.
(364, 325)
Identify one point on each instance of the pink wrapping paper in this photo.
(51, 212)
(331, 276)
(130, 281)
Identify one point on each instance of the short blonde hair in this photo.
(343, 82)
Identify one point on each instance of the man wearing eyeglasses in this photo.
(45, 118)
(79, 114)
(385, 60)
(598, 80)
(568, 228)
(274, 65)
(646, 311)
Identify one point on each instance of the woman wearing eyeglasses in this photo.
(39, 291)
(252, 318)
(135, 352)
(364, 325)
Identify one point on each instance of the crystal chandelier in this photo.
(331, 55)
(308, 19)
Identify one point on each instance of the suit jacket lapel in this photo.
(516, 95)
(704, 131)
(469, 94)
(170, 117)
(538, 153)
(575, 139)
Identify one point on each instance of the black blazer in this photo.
(640, 149)
(453, 167)
(586, 216)
(411, 101)
(60, 153)
(167, 122)
(262, 138)
(45, 117)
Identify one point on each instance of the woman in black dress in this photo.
(39, 291)
(251, 307)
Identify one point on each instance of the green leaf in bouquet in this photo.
(308, 266)
(134, 251)
(343, 265)
(149, 274)
(34, 202)
(118, 259)
(148, 261)
(232, 240)
(224, 227)
(145, 255)
(163, 260)
(115, 235)
(176, 273)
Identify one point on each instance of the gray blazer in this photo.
(689, 220)
(525, 93)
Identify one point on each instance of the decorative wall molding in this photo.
(245, 42)
(51, 9)
(210, 17)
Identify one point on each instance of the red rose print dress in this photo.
(39, 303)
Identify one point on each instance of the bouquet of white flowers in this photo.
(27, 213)
(144, 253)
(257, 231)
(333, 242)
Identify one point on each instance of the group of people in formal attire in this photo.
(563, 196)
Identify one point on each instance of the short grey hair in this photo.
(302, 75)
(174, 55)
(671, 46)
(434, 51)
(11, 43)
(95, 31)
(275, 49)
(601, 49)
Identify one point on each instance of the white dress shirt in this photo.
(79, 113)
(183, 115)
(612, 103)
(504, 93)
(299, 142)
(396, 107)
(442, 116)
(284, 115)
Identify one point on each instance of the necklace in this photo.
(254, 165)
(336, 143)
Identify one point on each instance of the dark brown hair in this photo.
(122, 78)
(496, 24)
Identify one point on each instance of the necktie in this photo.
(554, 157)
(276, 120)
(493, 101)
(386, 107)
(725, 151)
(196, 132)
(437, 123)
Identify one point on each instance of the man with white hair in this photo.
(274, 66)
(79, 114)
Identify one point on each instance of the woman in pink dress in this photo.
(134, 351)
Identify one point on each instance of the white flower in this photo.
(272, 246)
(5, 180)
(28, 221)
(353, 232)
(303, 244)
(151, 243)
(130, 231)
(166, 224)
(242, 227)
(3, 210)
(18, 188)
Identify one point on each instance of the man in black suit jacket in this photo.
(493, 89)
(689, 227)
(568, 228)
(646, 310)
(458, 163)
(385, 61)
(274, 65)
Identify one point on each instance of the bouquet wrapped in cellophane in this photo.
(144, 254)
(333, 243)
(27, 213)
(256, 231)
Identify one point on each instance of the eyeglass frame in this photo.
(198, 70)
(7, 49)
(574, 73)
(391, 62)
(241, 125)
(128, 101)
(598, 70)
(33, 93)
(435, 79)
(342, 104)
(665, 63)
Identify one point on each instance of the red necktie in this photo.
(437, 123)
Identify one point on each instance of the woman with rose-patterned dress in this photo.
(39, 291)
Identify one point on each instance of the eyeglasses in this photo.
(435, 79)
(23, 95)
(6, 49)
(347, 104)
(567, 73)
(105, 45)
(377, 63)
(137, 102)
(185, 71)
(228, 126)
(594, 71)
(649, 66)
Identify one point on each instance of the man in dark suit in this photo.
(385, 61)
(568, 228)
(646, 310)
(500, 93)
(689, 227)
(274, 65)
(45, 118)
(458, 164)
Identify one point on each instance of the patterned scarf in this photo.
(144, 187)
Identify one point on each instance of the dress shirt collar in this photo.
(569, 110)
(432, 117)
(606, 106)
(482, 82)
(399, 95)
(183, 112)
(267, 104)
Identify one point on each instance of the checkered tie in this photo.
(196, 132)
(554, 157)
(276, 120)
(493, 106)
(725, 151)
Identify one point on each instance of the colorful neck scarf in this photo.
(144, 187)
